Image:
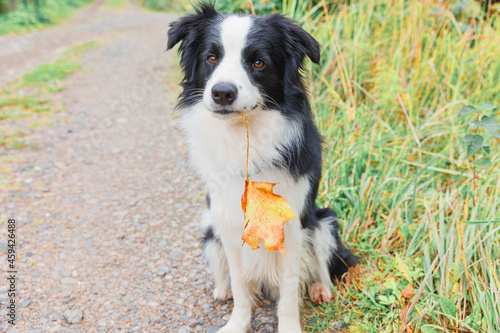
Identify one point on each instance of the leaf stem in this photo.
(248, 144)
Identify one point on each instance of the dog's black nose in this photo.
(224, 93)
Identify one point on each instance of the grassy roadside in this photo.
(116, 4)
(166, 5)
(26, 103)
(27, 19)
(397, 167)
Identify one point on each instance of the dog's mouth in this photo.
(232, 112)
(224, 112)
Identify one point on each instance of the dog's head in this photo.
(237, 63)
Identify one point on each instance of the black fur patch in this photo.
(208, 236)
(342, 259)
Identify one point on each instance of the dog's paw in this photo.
(222, 294)
(319, 293)
(228, 328)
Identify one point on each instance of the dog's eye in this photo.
(212, 59)
(258, 63)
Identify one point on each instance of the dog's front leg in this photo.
(242, 298)
(288, 305)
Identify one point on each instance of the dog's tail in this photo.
(342, 258)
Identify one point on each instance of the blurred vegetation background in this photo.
(407, 98)
(25, 15)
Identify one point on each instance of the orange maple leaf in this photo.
(265, 213)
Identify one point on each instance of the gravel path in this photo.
(22, 53)
(107, 207)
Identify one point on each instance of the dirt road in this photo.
(106, 208)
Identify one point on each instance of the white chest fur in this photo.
(218, 152)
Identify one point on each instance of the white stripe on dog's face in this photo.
(233, 35)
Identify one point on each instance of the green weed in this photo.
(18, 107)
(51, 72)
(117, 4)
(79, 50)
(13, 141)
(165, 5)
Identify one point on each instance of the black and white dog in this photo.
(252, 64)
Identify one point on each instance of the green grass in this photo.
(13, 141)
(165, 5)
(117, 4)
(27, 99)
(393, 78)
(391, 83)
(52, 72)
(18, 107)
(28, 19)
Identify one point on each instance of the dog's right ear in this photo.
(179, 30)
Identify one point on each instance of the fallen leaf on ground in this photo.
(352, 276)
(408, 292)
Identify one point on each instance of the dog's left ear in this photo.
(305, 43)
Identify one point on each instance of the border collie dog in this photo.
(252, 64)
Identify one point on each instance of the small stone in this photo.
(130, 298)
(25, 303)
(44, 314)
(64, 274)
(207, 307)
(57, 317)
(337, 326)
(162, 270)
(73, 316)
(36, 274)
(185, 329)
(212, 329)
